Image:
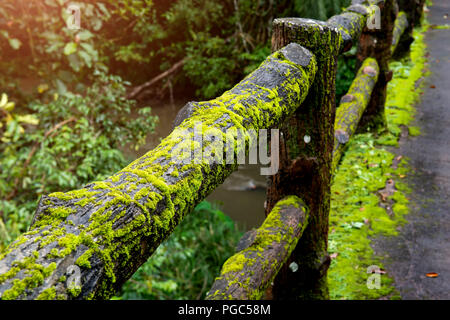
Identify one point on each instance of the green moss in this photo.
(83, 260)
(47, 294)
(414, 131)
(74, 291)
(35, 276)
(356, 216)
(400, 109)
(9, 274)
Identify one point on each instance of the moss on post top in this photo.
(321, 38)
(107, 229)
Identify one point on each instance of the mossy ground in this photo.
(356, 215)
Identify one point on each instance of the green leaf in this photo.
(61, 87)
(70, 48)
(86, 57)
(29, 119)
(4, 100)
(15, 43)
(85, 35)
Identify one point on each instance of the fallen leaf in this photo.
(433, 86)
(399, 158)
(402, 176)
(432, 275)
(379, 271)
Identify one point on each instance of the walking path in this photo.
(423, 245)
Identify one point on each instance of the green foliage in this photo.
(356, 217)
(346, 73)
(208, 58)
(319, 9)
(185, 265)
(140, 39)
(74, 141)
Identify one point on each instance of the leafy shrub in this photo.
(139, 39)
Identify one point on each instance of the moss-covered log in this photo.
(401, 24)
(261, 253)
(86, 243)
(376, 43)
(306, 158)
(350, 25)
(353, 105)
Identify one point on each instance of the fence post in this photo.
(413, 10)
(306, 158)
(376, 43)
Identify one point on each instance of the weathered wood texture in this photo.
(261, 253)
(352, 106)
(109, 228)
(401, 24)
(376, 42)
(305, 159)
(350, 25)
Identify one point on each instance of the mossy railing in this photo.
(303, 274)
(85, 244)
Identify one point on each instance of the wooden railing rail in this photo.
(84, 244)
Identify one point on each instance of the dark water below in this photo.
(242, 195)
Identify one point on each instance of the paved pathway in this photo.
(424, 243)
